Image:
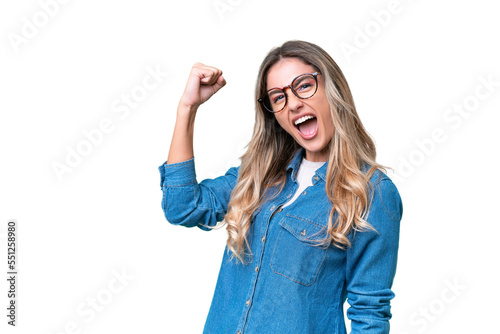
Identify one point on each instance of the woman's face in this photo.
(313, 134)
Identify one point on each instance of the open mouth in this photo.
(307, 126)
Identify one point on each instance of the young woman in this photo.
(311, 218)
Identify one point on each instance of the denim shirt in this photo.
(289, 285)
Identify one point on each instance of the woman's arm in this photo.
(371, 262)
(203, 82)
(185, 201)
(189, 203)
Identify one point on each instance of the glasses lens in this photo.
(277, 99)
(304, 86)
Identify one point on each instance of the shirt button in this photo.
(304, 192)
(289, 195)
(316, 178)
(248, 302)
(303, 233)
(238, 332)
(272, 208)
(257, 269)
(263, 238)
(281, 209)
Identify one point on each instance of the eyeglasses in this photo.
(304, 87)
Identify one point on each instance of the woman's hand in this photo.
(203, 82)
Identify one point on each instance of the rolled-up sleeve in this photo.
(371, 262)
(188, 203)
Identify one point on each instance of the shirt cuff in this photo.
(177, 174)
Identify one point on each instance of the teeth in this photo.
(303, 119)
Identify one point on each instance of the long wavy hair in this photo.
(270, 150)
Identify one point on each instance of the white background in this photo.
(103, 217)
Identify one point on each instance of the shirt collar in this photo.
(295, 164)
(321, 172)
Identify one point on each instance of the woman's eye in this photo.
(305, 86)
(278, 98)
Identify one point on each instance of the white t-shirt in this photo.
(306, 171)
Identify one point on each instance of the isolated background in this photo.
(104, 217)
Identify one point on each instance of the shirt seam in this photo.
(167, 165)
(383, 204)
(178, 185)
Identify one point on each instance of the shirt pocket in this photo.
(296, 254)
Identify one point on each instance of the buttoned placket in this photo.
(274, 214)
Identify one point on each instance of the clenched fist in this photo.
(203, 82)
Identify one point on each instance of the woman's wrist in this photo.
(186, 113)
(187, 107)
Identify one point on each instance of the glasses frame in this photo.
(262, 102)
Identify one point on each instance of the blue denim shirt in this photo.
(289, 285)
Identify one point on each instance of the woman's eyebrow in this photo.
(275, 91)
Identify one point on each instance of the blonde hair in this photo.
(271, 149)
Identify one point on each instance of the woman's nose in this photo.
(294, 103)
